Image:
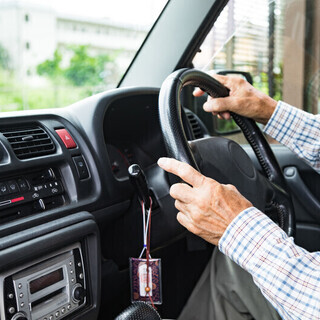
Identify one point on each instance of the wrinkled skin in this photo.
(206, 207)
(243, 99)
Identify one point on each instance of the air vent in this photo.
(29, 142)
(196, 129)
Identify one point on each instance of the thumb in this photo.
(198, 92)
(224, 116)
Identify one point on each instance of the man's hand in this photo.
(206, 207)
(244, 100)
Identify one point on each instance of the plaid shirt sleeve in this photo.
(287, 275)
(298, 130)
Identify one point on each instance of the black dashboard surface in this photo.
(111, 130)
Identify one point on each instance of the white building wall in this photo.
(30, 34)
(97, 35)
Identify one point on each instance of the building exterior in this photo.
(31, 33)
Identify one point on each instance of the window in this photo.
(69, 60)
(278, 42)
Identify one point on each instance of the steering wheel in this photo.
(223, 159)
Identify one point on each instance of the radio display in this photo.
(46, 280)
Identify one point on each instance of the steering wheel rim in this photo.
(178, 147)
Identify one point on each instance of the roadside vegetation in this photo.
(63, 83)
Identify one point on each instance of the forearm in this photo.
(287, 275)
(298, 130)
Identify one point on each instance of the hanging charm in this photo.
(145, 273)
(146, 286)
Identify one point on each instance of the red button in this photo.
(17, 199)
(66, 138)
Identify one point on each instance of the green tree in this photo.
(51, 68)
(85, 69)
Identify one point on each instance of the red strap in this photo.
(148, 252)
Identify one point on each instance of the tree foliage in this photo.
(51, 68)
(84, 69)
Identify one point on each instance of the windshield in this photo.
(56, 52)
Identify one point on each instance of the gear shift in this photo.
(139, 311)
(139, 181)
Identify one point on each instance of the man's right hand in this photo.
(244, 100)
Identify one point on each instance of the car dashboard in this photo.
(66, 199)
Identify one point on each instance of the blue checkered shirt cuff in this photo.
(245, 234)
(287, 275)
(298, 130)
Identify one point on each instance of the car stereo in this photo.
(49, 289)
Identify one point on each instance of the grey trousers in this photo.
(226, 292)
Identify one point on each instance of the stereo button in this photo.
(57, 314)
(23, 185)
(3, 189)
(12, 310)
(63, 310)
(13, 187)
(79, 293)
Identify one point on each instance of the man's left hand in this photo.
(206, 207)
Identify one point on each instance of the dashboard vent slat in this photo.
(29, 142)
(196, 129)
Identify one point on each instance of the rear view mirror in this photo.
(245, 75)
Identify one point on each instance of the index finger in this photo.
(182, 170)
(221, 78)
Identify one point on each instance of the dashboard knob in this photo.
(79, 293)
(19, 316)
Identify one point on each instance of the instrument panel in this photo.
(140, 142)
(120, 160)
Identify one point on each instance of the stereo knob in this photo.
(79, 293)
(19, 316)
